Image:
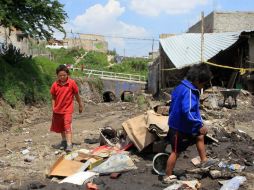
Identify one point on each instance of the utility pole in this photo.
(202, 36)
(152, 48)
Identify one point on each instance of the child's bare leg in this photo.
(171, 163)
(200, 143)
(63, 136)
(69, 138)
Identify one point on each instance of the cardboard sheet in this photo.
(136, 129)
(63, 167)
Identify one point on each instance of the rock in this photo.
(215, 174)
(198, 171)
(28, 121)
(196, 161)
(29, 158)
(163, 110)
(26, 151)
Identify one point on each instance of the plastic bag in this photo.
(234, 183)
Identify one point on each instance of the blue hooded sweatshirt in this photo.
(184, 114)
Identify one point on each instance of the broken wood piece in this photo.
(212, 138)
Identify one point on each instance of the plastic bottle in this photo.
(234, 183)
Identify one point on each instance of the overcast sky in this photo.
(144, 19)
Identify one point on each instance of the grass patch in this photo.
(24, 79)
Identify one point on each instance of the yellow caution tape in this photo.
(241, 70)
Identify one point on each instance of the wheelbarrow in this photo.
(230, 94)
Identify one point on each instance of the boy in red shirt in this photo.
(63, 91)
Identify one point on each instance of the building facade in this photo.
(89, 42)
(225, 22)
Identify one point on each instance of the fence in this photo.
(112, 75)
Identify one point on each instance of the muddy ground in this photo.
(34, 135)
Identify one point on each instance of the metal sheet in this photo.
(185, 49)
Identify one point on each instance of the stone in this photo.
(196, 161)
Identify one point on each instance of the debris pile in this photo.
(126, 156)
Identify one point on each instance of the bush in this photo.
(24, 79)
(66, 56)
(95, 60)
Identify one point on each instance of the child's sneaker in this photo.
(68, 148)
(62, 145)
(169, 179)
(210, 162)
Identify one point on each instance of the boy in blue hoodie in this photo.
(185, 122)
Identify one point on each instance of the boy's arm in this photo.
(53, 99)
(78, 99)
(189, 109)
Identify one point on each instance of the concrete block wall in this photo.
(208, 25)
(225, 22)
(235, 21)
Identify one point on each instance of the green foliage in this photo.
(27, 80)
(12, 55)
(141, 101)
(66, 56)
(98, 61)
(35, 18)
(99, 45)
(128, 97)
(137, 66)
(97, 83)
(95, 60)
(112, 52)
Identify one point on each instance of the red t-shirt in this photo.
(64, 96)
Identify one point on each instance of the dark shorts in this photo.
(180, 141)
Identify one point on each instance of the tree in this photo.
(36, 18)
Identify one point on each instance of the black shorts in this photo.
(180, 141)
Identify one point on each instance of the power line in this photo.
(121, 37)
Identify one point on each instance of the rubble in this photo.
(230, 142)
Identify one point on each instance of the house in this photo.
(23, 42)
(224, 44)
(89, 42)
(14, 37)
(225, 22)
(179, 52)
(56, 44)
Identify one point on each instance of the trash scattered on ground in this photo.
(26, 151)
(80, 178)
(115, 164)
(29, 158)
(234, 183)
(160, 162)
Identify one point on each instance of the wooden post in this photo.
(202, 37)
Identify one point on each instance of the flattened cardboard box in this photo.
(63, 167)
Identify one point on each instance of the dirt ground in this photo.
(34, 136)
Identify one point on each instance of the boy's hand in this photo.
(203, 130)
(81, 107)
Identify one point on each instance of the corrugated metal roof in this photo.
(184, 50)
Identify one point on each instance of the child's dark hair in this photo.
(200, 73)
(62, 68)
